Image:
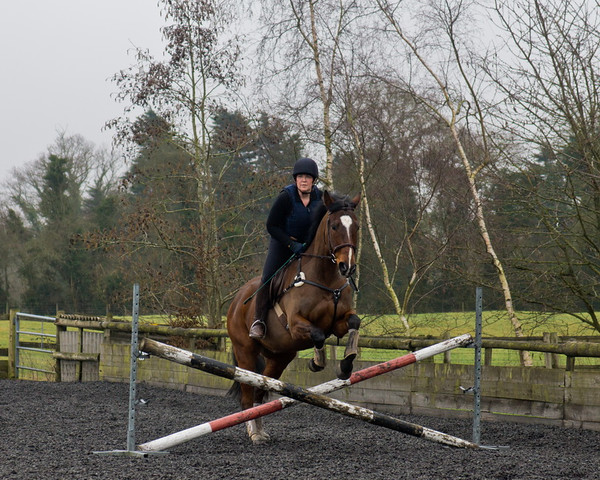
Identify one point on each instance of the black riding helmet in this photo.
(307, 166)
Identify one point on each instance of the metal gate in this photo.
(41, 341)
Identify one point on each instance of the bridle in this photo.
(300, 280)
(332, 249)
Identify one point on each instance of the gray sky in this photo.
(56, 58)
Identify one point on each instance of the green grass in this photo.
(494, 324)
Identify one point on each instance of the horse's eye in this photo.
(334, 227)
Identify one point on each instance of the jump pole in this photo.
(256, 380)
(237, 418)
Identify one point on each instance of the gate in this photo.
(50, 352)
(34, 347)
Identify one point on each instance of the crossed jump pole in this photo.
(294, 394)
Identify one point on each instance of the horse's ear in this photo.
(356, 200)
(327, 200)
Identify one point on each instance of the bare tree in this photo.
(456, 89)
(331, 40)
(548, 74)
(390, 144)
(185, 89)
(309, 36)
(85, 165)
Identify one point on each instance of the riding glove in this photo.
(297, 247)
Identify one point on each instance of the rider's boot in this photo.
(258, 329)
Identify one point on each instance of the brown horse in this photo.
(314, 303)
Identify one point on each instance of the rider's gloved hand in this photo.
(297, 247)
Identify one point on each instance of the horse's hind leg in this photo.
(346, 365)
(273, 369)
(251, 397)
(247, 357)
(256, 431)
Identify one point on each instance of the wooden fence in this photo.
(91, 348)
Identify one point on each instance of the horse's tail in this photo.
(235, 390)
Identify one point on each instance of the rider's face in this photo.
(304, 183)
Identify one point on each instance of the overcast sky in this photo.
(56, 59)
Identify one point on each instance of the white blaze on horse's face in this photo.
(346, 221)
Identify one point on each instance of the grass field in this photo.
(495, 324)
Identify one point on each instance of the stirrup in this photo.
(258, 329)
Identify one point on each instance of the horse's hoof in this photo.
(313, 367)
(259, 438)
(344, 368)
(342, 374)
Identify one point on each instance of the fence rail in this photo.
(552, 345)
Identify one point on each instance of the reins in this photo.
(299, 279)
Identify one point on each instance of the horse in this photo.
(312, 300)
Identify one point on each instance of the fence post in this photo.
(487, 356)
(447, 355)
(551, 358)
(59, 330)
(135, 353)
(133, 367)
(12, 338)
(477, 384)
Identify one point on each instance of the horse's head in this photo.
(342, 231)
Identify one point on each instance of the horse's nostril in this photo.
(343, 268)
(352, 270)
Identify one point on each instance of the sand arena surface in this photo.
(49, 431)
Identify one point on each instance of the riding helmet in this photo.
(307, 166)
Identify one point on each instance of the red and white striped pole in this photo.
(188, 358)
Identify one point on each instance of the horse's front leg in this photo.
(302, 330)
(351, 325)
(319, 360)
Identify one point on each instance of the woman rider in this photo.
(292, 220)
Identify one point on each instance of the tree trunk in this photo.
(479, 214)
(367, 214)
